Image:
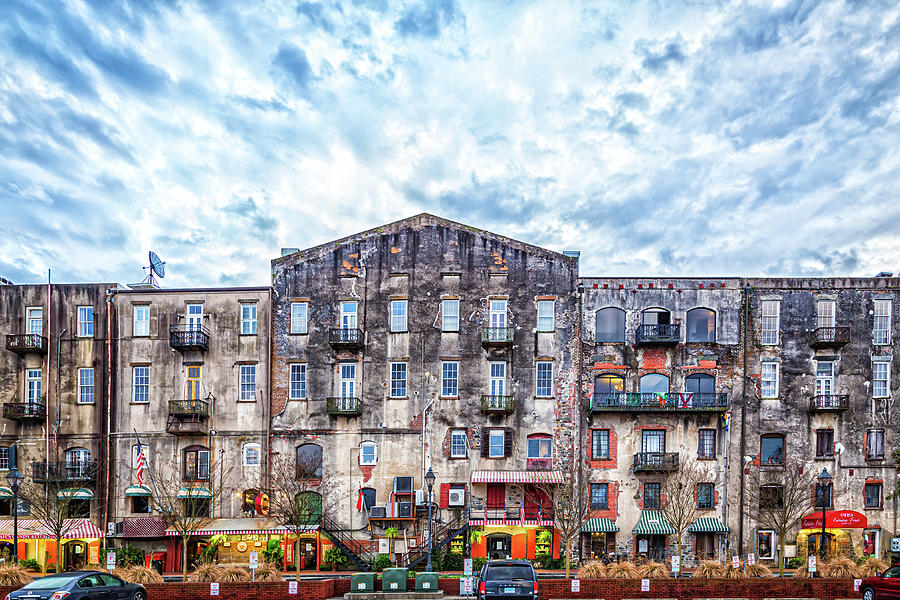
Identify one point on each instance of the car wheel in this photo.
(140, 595)
(868, 594)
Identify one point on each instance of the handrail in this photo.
(342, 538)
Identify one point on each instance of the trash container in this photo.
(362, 582)
(427, 581)
(393, 580)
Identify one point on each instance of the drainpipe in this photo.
(743, 419)
(578, 409)
(49, 354)
(267, 401)
(58, 420)
(110, 293)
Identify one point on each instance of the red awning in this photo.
(835, 519)
(517, 477)
(32, 529)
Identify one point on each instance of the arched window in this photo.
(701, 325)
(607, 390)
(309, 461)
(78, 462)
(368, 454)
(309, 508)
(654, 383)
(610, 325)
(196, 463)
(700, 384)
(251, 454)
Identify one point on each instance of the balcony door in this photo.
(496, 500)
(194, 317)
(193, 384)
(825, 313)
(498, 379)
(347, 385)
(34, 321)
(348, 315)
(33, 385)
(498, 313)
(656, 316)
(824, 378)
(653, 440)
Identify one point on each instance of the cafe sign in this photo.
(835, 519)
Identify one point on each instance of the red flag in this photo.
(359, 500)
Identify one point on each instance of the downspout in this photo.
(110, 293)
(578, 410)
(49, 354)
(267, 402)
(743, 418)
(58, 420)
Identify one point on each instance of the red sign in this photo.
(262, 504)
(835, 519)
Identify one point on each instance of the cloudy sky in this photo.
(659, 138)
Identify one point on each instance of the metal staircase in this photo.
(442, 536)
(343, 539)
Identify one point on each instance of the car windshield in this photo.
(509, 573)
(51, 583)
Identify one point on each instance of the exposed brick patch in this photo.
(613, 450)
(416, 423)
(367, 473)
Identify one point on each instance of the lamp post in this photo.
(824, 480)
(14, 479)
(429, 479)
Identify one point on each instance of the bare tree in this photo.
(781, 498)
(680, 505)
(570, 503)
(188, 496)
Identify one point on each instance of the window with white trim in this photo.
(771, 322)
(298, 381)
(765, 544)
(248, 319)
(368, 453)
(768, 386)
(450, 315)
(496, 441)
(33, 386)
(881, 327)
(4, 458)
(825, 313)
(141, 321)
(824, 377)
(140, 384)
(546, 315)
(881, 377)
(34, 320)
(543, 387)
(85, 321)
(398, 380)
(248, 383)
(299, 317)
(498, 378)
(458, 443)
(86, 386)
(540, 446)
(450, 379)
(398, 316)
(251, 454)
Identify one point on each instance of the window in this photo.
(656, 316)
(496, 440)
(298, 381)
(251, 455)
(34, 320)
(368, 453)
(706, 443)
(33, 386)
(368, 495)
(299, 316)
(309, 461)
(450, 379)
(881, 328)
(654, 383)
(78, 509)
(544, 379)
(248, 383)
(824, 378)
(768, 386)
(348, 380)
(651, 495)
(825, 443)
(600, 444)
(825, 313)
(881, 379)
(539, 446)
(140, 504)
(196, 463)
(701, 325)
(765, 544)
(706, 496)
(653, 441)
(824, 495)
(398, 380)
(875, 444)
(771, 317)
(450, 315)
(248, 319)
(4, 458)
(497, 317)
(78, 461)
(194, 316)
(141, 321)
(398, 316)
(872, 493)
(772, 450)
(140, 384)
(498, 378)
(545, 315)
(700, 383)
(610, 325)
(599, 496)
(348, 315)
(458, 443)
(607, 390)
(85, 321)
(192, 383)
(771, 497)
(85, 386)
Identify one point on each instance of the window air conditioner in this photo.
(403, 485)
(405, 510)
(457, 498)
(378, 512)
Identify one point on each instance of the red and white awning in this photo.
(33, 529)
(475, 520)
(518, 477)
(241, 527)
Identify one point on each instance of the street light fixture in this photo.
(429, 479)
(824, 480)
(14, 479)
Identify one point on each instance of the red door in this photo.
(537, 504)
(496, 500)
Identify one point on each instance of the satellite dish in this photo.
(157, 265)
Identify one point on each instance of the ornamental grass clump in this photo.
(872, 567)
(709, 569)
(592, 570)
(758, 570)
(268, 571)
(653, 570)
(234, 575)
(14, 575)
(206, 573)
(732, 573)
(844, 568)
(622, 570)
(139, 574)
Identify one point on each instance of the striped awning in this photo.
(75, 494)
(599, 526)
(652, 523)
(33, 529)
(517, 477)
(195, 492)
(5, 492)
(242, 527)
(707, 525)
(138, 490)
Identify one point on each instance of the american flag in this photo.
(140, 463)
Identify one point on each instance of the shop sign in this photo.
(261, 503)
(835, 519)
(93, 553)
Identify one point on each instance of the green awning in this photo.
(652, 523)
(707, 525)
(599, 526)
(5, 492)
(194, 492)
(138, 490)
(76, 494)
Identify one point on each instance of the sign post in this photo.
(254, 563)
(751, 559)
(676, 564)
(812, 563)
(110, 561)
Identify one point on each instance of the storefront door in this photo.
(307, 550)
(74, 555)
(499, 545)
(706, 546)
(652, 547)
(813, 544)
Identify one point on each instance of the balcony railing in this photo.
(510, 514)
(187, 337)
(655, 461)
(829, 402)
(658, 334)
(497, 404)
(189, 408)
(26, 343)
(25, 411)
(347, 407)
(75, 471)
(830, 337)
(344, 337)
(659, 402)
(496, 336)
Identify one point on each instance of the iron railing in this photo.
(442, 534)
(74, 471)
(189, 337)
(26, 343)
(25, 411)
(348, 407)
(655, 402)
(658, 334)
(830, 336)
(496, 336)
(828, 402)
(655, 461)
(345, 337)
(497, 404)
(189, 408)
(350, 546)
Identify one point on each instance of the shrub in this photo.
(30, 564)
(452, 562)
(622, 570)
(273, 552)
(129, 555)
(139, 574)
(758, 570)
(292, 567)
(334, 557)
(844, 568)
(732, 573)
(206, 573)
(14, 575)
(382, 562)
(795, 562)
(268, 571)
(477, 563)
(653, 570)
(709, 569)
(592, 570)
(234, 575)
(872, 567)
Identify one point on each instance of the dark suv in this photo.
(507, 579)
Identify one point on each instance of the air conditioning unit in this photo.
(383, 546)
(457, 497)
(420, 497)
(378, 512)
(403, 485)
(405, 510)
(392, 510)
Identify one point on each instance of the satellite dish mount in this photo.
(157, 267)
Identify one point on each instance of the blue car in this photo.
(79, 585)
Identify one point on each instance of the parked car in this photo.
(79, 585)
(507, 579)
(883, 586)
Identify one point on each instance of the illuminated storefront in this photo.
(80, 543)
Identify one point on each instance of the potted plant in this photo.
(334, 558)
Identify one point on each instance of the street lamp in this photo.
(14, 479)
(429, 479)
(824, 480)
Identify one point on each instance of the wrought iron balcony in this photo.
(26, 343)
(186, 337)
(829, 402)
(188, 417)
(342, 337)
(655, 461)
(662, 402)
(25, 411)
(67, 471)
(496, 336)
(658, 335)
(497, 404)
(346, 407)
(830, 337)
